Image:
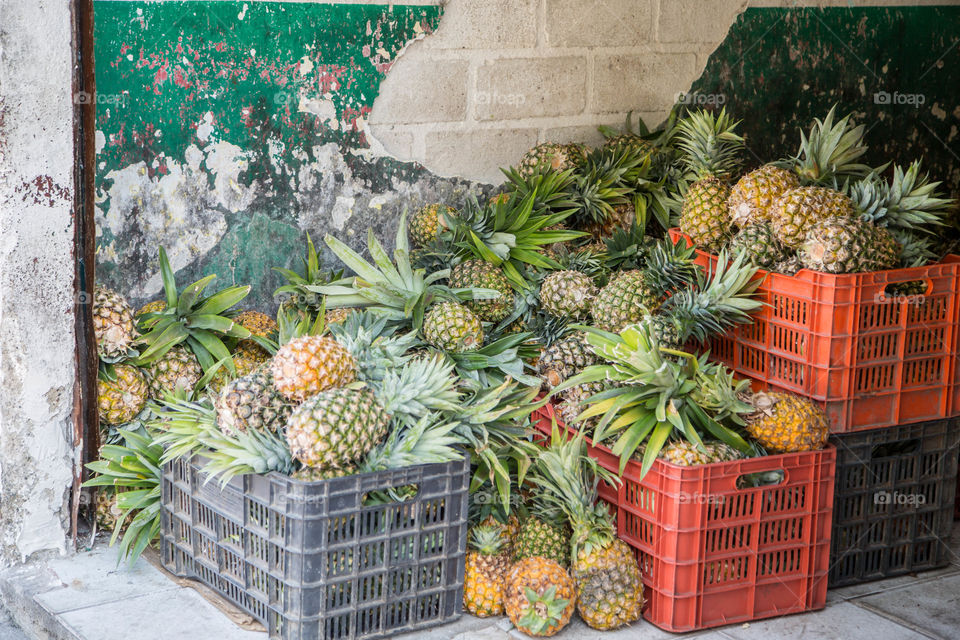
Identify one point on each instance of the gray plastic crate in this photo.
(310, 561)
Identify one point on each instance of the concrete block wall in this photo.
(501, 75)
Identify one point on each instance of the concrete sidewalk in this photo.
(89, 597)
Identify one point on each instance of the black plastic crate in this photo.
(310, 561)
(894, 501)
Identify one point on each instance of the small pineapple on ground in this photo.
(480, 274)
(452, 327)
(609, 586)
(311, 364)
(486, 567)
(540, 596)
(178, 368)
(121, 394)
(567, 294)
(711, 150)
(113, 325)
(787, 423)
(106, 509)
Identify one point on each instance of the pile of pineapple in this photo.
(563, 285)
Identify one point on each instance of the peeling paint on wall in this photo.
(228, 130)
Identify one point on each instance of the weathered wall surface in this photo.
(228, 130)
(36, 276)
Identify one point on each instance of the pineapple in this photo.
(563, 359)
(112, 324)
(609, 585)
(567, 294)
(305, 366)
(427, 223)
(452, 327)
(337, 428)
(252, 402)
(155, 306)
(787, 423)
(757, 241)
(539, 596)
(121, 396)
(848, 245)
(486, 568)
(539, 538)
(710, 149)
(480, 274)
(620, 217)
(558, 157)
(573, 403)
(178, 368)
(244, 363)
(336, 316)
(108, 514)
(687, 454)
(788, 266)
(828, 152)
(798, 210)
(753, 196)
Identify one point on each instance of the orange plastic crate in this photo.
(871, 358)
(712, 554)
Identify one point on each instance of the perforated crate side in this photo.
(310, 561)
(894, 504)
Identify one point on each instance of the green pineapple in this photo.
(564, 359)
(480, 274)
(711, 150)
(553, 156)
(428, 222)
(848, 245)
(452, 327)
(252, 402)
(178, 368)
(567, 294)
(759, 244)
(538, 538)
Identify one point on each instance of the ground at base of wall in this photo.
(89, 596)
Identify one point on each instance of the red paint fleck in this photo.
(43, 190)
(179, 78)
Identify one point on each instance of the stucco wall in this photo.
(36, 276)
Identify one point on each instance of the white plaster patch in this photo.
(226, 161)
(100, 140)
(205, 128)
(323, 108)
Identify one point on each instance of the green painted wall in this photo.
(896, 68)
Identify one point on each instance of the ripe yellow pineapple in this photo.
(540, 596)
(710, 149)
(799, 210)
(311, 364)
(687, 454)
(564, 359)
(428, 222)
(558, 157)
(112, 324)
(848, 245)
(121, 398)
(567, 294)
(752, 198)
(486, 567)
(787, 423)
(178, 368)
(154, 306)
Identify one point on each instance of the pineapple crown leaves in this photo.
(312, 275)
(548, 189)
(487, 539)
(709, 144)
(181, 423)
(656, 394)
(568, 479)
(715, 303)
(395, 290)
(542, 611)
(420, 386)
(641, 131)
(494, 362)
(190, 317)
(829, 152)
(134, 466)
(375, 347)
(430, 439)
(627, 248)
(908, 202)
(509, 234)
(608, 178)
(670, 266)
(244, 452)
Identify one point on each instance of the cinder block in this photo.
(689, 21)
(487, 24)
(396, 140)
(645, 83)
(530, 87)
(477, 154)
(599, 23)
(584, 134)
(419, 89)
